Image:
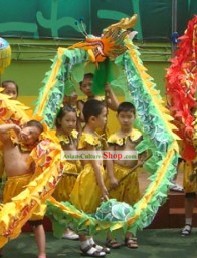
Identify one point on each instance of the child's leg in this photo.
(87, 248)
(111, 242)
(130, 240)
(69, 234)
(175, 186)
(189, 206)
(98, 247)
(39, 237)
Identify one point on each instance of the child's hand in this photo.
(105, 193)
(17, 129)
(107, 88)
(141, 158)
(107, 93)
(114, 182)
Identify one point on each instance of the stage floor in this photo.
(152, 244)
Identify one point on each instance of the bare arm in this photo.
(80, 105)
(110, 170)
(112, 101)
(99, 178)
(142, 157)
(4, 131)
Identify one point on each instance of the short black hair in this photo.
(65, 109)
(125, 107)
(92, 107)
(86, 75)
(36, 124)
(5, 83)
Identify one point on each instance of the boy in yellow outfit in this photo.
(126, 139)
(19, 172)
(89, 187)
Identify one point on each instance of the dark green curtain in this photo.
(73, 18)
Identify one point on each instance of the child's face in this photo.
(30, 135)
(86, 87)
(101, 119)
(68, 122)
(126, 119)
(10, 90)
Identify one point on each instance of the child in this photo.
(86, 88)
(18, 170)
(65, 126)
(10, 88)
(71, 100)
(89, 187)
(190, 188)
(127, 191)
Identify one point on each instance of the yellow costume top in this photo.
(65, 140)
(101, 98)
(135, 136)
(70, 169)
(89, 139)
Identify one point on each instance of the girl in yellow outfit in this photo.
(79, 196)
(127, 190)
(89, 187)
(67, 135)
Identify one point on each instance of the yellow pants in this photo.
(128, 190)
(86, 195)
(66, 183)
(14, 186)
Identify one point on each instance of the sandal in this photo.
(71, 235)
(131, 242)
(176, 187)
(186, 231)
(91, 253)
(113, 243)
(101, 248)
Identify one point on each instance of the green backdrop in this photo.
(57, 18)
